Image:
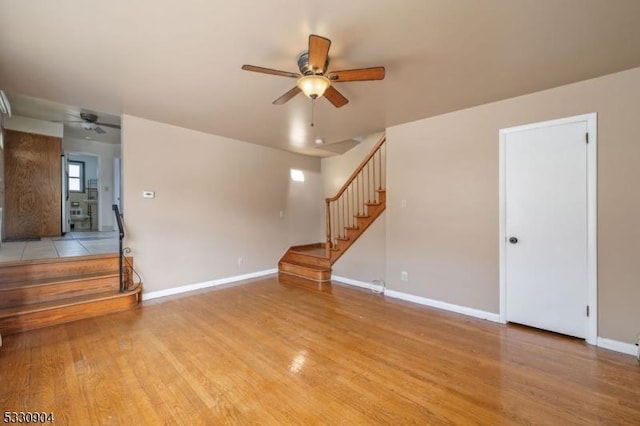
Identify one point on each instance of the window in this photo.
(297, 175)
(76, 176)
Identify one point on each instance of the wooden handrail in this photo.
(350, 201)
(116, 211)
(359, 169)
(125, 271)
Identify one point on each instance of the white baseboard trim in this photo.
(206, 284)
(476, 313)
(421, 300)
(356, 283)
(614, 345)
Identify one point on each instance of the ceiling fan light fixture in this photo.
(313, 86)
(88, 125)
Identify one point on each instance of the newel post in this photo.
(327, 247)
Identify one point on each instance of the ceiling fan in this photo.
(314, 80)
(90, 122)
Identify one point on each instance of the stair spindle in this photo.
(380, 169)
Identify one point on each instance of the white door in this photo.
(546, 227)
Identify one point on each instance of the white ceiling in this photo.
(179, 62)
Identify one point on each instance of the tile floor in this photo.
(71, 244)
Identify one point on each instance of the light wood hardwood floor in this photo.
(285, 351)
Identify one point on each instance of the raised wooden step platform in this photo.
(40, 293)
(306, 261)
(60, 311)
(43, 290)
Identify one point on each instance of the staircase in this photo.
(348, 214)
(41, 293)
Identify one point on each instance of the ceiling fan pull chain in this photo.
(313, 101)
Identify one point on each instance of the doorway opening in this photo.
(83, 201)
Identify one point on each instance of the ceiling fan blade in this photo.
(287, 96)
(270, 71)
(318, 53)
(335, 97)
(99, 130)
(113, 126)
(363, 74)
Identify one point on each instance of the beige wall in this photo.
(216, 200)
(208, 210)
(446, 167)
(32, 125)
(366, 259)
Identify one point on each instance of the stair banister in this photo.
(358, 203)
(345, 219)
(116, 211)
(358, 170)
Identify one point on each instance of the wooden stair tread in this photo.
(58, 260)
(308, 272)
(304, 247)
(315, 253)
(305, 266)
(373, 211)
(46, 292)
(61, 303)
(57, 280)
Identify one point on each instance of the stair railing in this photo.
(351, 200)
(116, 211)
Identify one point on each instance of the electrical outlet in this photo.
(240, 260)
(404, 276)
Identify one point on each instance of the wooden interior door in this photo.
(32, 185)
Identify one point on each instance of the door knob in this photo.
(513, 240)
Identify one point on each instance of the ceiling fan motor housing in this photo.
(303, 65)
(88, 117)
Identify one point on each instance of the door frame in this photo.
(592, 208)
(100, 200)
